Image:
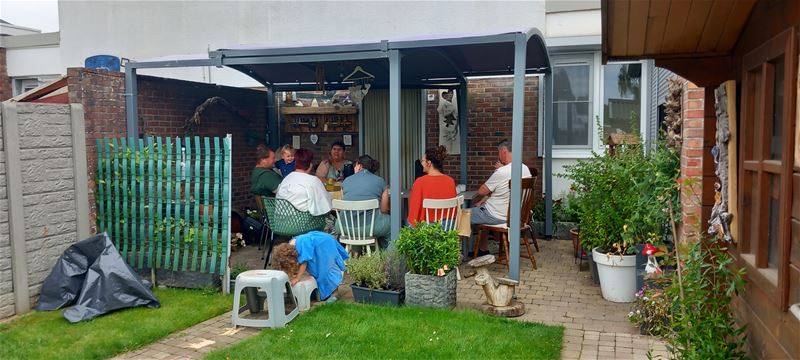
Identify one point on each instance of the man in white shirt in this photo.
(305, 191)
(494, 209)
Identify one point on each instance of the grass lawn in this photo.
(47, 335)
(345, 331)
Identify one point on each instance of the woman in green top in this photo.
(264, 180)
(331, 168)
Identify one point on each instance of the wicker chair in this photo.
(285, 220)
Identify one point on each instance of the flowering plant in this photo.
(651, 310)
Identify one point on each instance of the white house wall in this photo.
(35, 61)
(147, 29)
(573, 23)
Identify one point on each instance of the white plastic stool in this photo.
(304, 291)
(274, 284)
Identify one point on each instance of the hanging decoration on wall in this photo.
(720, 222)
(361, 82)
(191, 124)
(314, 138)
(448, 122)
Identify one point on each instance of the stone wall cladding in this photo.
(6, 288)
(164, 106)
(490, 115)
(48, 188)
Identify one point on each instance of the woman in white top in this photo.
(305, 191)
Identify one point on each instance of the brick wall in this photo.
(697, 166)
(164, 106)
(490, 116)
(5, 81)
(6, 291)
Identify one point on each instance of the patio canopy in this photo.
(437, 61)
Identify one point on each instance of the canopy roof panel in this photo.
(428, 61)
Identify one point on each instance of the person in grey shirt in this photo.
(365, 185)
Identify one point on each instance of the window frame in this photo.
(755, 163)
(644, 100)
(567, 59)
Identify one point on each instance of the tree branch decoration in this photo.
(673, 119)
(193, 123)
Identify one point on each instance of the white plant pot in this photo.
(617, 276)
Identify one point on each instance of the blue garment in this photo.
(325, 260)
(285, 168)
(364, 185)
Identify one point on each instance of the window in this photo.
(622, 98)
(765, 165)
(22, 86)
(572, 102)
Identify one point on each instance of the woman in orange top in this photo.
(434, 185)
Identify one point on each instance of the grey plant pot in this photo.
(367, 295)
(431, 291)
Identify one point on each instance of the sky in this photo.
(37, 14)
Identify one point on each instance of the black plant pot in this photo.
(367, 295)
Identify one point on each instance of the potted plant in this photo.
(372, 281)
(623, 203)
(431, 255)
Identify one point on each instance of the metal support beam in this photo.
(548, 154)
(310, 58)
(272, 121)
(131, 103)
(395, 180)
(520, 47)
(463, 126)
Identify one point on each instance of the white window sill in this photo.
(572, 154)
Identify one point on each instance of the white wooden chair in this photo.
(355, 221)
(448, 210)
(444, 209)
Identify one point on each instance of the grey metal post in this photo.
(131, 103)
(272, 121)
(463, 126)
(548, 153)
(80, 170)
(395, 182)
(520, 46)
(16, 210)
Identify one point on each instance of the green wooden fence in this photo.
(165, 202)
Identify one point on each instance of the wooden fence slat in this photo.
(197, 203)
(123, 147)
(117, 217)
(207, 204)
(169, 216)
(188, 201)
(176, 236)
(151, 179)
(109, 196)
(226, 213)
(130, 155)
(141, 178)
(159, 152)
(215, 230)
(101, 195)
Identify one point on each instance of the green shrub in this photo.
(702, 317)
(369, 271)
(428, 248)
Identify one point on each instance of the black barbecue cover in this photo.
(92, 276)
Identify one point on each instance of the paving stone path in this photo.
(555, 294)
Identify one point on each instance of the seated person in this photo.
(332, 167)
(286, 163)
(365, 185)
(493, 209)
(264, 180)
(317, 253)
(434, 185)
(305, 191)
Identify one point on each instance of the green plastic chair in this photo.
(285, 220)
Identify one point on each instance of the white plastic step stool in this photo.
(304, 292)
(274, 284)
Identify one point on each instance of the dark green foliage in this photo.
(428, 248)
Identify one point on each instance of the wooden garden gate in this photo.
(165, 202)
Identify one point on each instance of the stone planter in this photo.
(431, 291)
(367, 295)
(560, 229)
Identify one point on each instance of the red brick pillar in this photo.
(692, 160)
(5, 81)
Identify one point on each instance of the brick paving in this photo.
(555, 294)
